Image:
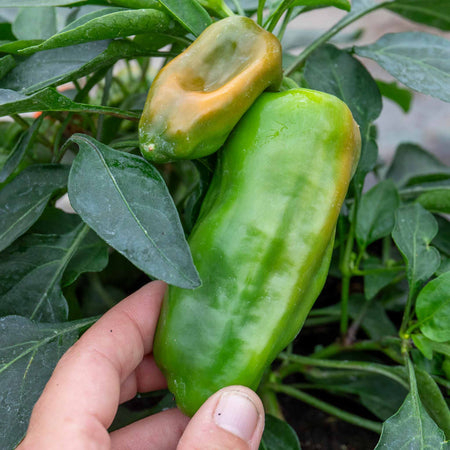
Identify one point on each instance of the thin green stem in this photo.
(407, 312)
(125, 144)
(275, 17)
(442, 381)
(358, 272)
(347, 20)
(57, 155)
(315, 321)
(326, 407)
(25, 125)
(105, 97)
(286, 20)
(238, 7)
(259, 13)
(346, 269)
(305, 361)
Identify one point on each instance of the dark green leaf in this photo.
(419, 60)
(374, 282)
(189, 13)
(436, 200)
(433, 309)
(435, 13)
(112, 23)
(411, 428)
(49, 99)
(7, 63)
(403, 97)
(31, 272)
(51, 66)
(442, 239)
(28, 354)
(375, 321)
(335, 71)
(91, 254)
(279, 435)
(15, 46)
(23, 200)
(35, 23)
(433, 400)
(19, 150)
(423, 344)
(376, 214)
(413, 162)
(414, 229)
(341, 4)
(124, 199)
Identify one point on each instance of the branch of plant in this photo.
(25, 125)
(300, 59)
(57, 154)
(104, 101)
(301, 364)
(326, 407)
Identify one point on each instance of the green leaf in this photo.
(19, 150)
(34, 3)
(341, 4)
(433, 309)
(411, 427)
(31, 272)
(92, 252)
(23, 200)
(112, 23)
(376, 214)
(15, 46)
(51, 66)
(442, 239)
(435, 13)
(414, 229)
(436, 200)
(29, 352)
(335, 71)
(374, 282)
(49, 99)
(392, 91)
(126, 202)
(7, 63)
(35, 23)
(423, 344)
(412, 163)
(419, 60)
(278, 434)
(189, 13)
(433, 400)
(375, 321)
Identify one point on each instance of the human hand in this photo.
(108, 365)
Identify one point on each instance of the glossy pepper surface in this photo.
(262, 244)
(196, 100)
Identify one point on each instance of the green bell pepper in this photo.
(262, 244)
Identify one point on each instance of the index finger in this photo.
(85, 386)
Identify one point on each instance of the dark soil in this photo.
(320, 431)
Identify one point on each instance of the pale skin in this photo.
(108, 365)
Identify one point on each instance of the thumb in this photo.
(232, 418)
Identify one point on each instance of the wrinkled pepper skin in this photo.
(196, 100)
(262, 244)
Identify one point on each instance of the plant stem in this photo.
(347, 20)
(259, 13)
(285, 23)
(363, 366)
(239, 9)
(407, 312)
(24, 124)
(126, 144)
(57, 155)
(346, 269)
(105, 96)
(326, 407)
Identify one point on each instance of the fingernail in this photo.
(237, 414)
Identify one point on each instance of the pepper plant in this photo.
(73, 81)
